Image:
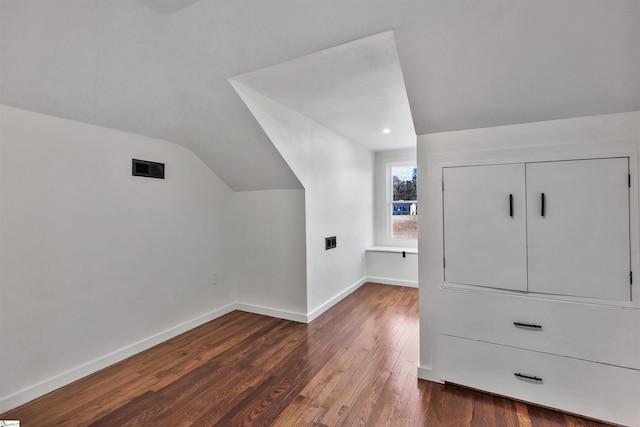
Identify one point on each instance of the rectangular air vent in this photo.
(147, 169)
(330, 242)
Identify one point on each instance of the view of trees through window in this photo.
(405, 202)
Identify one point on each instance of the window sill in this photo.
(392, 249)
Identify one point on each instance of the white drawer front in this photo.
(585, 331)
(595, 390)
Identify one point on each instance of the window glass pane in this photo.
(404, 207)
(404, 182)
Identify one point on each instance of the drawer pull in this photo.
(527, 377)
(527, 325)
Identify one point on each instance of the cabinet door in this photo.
(579, 245)
(485, 226)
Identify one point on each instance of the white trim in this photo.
(388, 238)
(40, 389)
(427, 374)
(272, 312)
(342, 295)
(394, 282)
(392, 249)
(381, 188)
(336, 299)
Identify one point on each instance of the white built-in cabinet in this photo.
(535, 301)
(485, 226)
(557, 227)
(579, 245)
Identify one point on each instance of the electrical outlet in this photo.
(214, 278)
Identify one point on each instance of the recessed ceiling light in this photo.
(386, 130)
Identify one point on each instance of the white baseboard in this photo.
(271, 312)
(336, 299)
(385, 281)
(32, 392)
(26, 395)
(302, 318)
(428, 374)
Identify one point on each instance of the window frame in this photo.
(384, 195)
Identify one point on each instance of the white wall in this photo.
(95, 264)
(389, 267)
(337, 175)
(581, 137)
(339, 203)
(269, 248)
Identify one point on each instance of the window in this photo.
(403, 201)
(396, 215)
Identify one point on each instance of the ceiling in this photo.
(162, 67)
(355, 89)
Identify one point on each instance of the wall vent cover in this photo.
(330, 242)
(147, 169)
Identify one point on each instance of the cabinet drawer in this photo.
(592, 389)
(585, 331)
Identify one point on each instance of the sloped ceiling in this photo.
(161, 68)
(355, 89)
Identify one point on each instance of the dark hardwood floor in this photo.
(354, 365)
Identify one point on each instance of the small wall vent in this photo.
(330, 242)
(147, 169)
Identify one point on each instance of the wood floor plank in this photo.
(523, 414)
(504, 412)
(353, 365)
(541, 417)
(483, 413)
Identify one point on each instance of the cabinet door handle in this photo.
(526, 325)
(542, 203)
(511, 205)
(527, 377)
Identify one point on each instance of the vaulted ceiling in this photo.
(355, 89)
(161, 67)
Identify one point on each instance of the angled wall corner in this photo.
(326, 113)
(282, 125)
(268, 243)
(337, 175)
